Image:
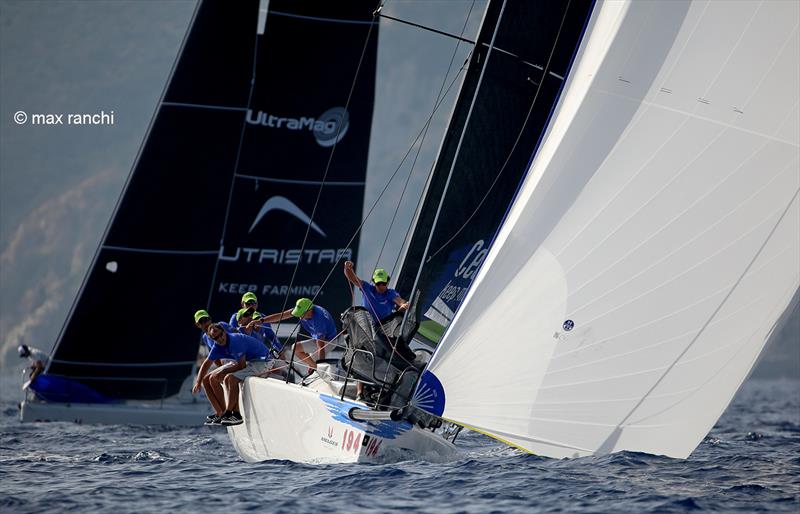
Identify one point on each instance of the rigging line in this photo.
(422, 142)
(328, 164)
(460, 38)
(514, 146)
(117, 205)
(408, 179)
(609, 440)
(385, 188)
(429, 29)
(235, 165)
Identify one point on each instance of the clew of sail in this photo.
(652, 245)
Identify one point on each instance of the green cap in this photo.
(241, 312)
(200, 315)
(301, 307)
(249, 296)
(380, 275)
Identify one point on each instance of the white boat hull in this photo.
(141, 413)
(291, 422)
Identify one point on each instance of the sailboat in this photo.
(638, 270)
(218, 203)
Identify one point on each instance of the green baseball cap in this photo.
(301, 307)
(242, 312)
(380, 275)
(200, 315)
(249, 296)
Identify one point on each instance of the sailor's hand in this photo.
(348, 264)
(403, 306)
(196, 387)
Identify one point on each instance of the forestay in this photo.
(652, 246)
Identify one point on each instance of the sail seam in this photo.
(319, 18)
(153, 250)
(204, 106)
(305, 182)
(126, 364)
(694, 116)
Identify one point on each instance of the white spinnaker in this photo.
(661, 216)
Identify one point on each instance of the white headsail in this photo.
(652, 246)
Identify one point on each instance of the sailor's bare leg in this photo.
(215, 381)
(232, 385)
(303, 356)
(216, 398)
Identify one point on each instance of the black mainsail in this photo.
(487, 148)
(223, 189)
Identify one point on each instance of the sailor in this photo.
(202, 319)
(317, 322)
(212, 381)
(249, 299)
(252, 324)
(38, 361)
(377, 297)
(252, 360)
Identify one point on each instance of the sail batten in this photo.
(653, 244)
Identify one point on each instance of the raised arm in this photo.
(350, 274)
(278, 316)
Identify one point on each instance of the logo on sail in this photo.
(455, 290)
(328, 128)
(280, 203)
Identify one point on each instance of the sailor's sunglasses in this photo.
(249, 303)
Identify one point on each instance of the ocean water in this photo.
(749, 462)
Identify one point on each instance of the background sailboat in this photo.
(219, 199)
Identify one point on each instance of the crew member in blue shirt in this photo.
(251, 323)
(252, 360)
(212, 381)
(377, 297)
(202, 319)
(317, 322)
(249, 299)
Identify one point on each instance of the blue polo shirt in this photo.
(235, 322)
(241, 345)
(210, 342)
(267, 336)
(379, 305)
(321, 325)
(219, 352)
